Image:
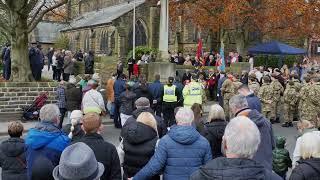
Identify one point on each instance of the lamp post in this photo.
(134, 31)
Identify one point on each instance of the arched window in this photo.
(86, 43)
(141, 35)
(104, 42)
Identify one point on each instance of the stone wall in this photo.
(14, 96)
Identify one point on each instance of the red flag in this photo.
(199, 50)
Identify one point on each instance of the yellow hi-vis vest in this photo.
(169, 93)
(192, 93)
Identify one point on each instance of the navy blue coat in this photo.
(156, 90)
(119, 87)
(254, 102)
(36, 57)
(179, 153)
(264, 152)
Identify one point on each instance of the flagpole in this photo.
(134, 31)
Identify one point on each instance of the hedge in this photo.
(275, 61)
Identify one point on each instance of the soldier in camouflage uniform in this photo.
(303, 94)
(312, 104)
(236, 82)
(227, 91)
(278, 91)
(266, 96)
(290, 98)
(253, 84)
(298, 86)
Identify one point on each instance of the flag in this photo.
(199, 50)
(223, 62)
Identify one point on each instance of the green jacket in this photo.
(281, 159)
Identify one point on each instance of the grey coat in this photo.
(68, 65)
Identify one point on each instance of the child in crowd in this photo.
(281, 158)
(12, 154)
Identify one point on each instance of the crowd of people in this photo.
(164, 131)
(61, 61)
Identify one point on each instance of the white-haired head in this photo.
(310, 145)
(50, 113)
(241, 138)
(184, 116)
(216, 113)
(238, 103)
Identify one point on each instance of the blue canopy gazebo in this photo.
(276, 48)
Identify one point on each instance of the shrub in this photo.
(140, 50)
(275, 61)
(62, 42)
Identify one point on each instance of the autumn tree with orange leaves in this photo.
(271, 18)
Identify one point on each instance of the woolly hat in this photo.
(91, 121)
(76, 114)
(142, 102)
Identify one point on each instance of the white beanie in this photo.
(75, 117)
(76, 114)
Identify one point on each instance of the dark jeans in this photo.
(168, 113)
(54, 75)
(7, 72)
(3, 70)
(36, 72)
(116, 117)
(212, 93)
(59, 72)
(62, 114)
(66, 77)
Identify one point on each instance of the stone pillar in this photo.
(164, 31)
(122, 48)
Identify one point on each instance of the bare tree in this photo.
(18, 19)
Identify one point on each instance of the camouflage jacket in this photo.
(297, 84)
(237, 84)
(277, 89)
(303, 94)
(254, 86)
(227, 89)
(290, 95)
(266, 93)
(313, 96)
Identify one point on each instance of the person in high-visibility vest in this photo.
(192, 93)
(169, 99)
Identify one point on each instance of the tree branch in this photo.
(37, 12)
(34, 23)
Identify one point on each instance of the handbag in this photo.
(120, 151)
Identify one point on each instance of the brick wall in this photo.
(14, 96)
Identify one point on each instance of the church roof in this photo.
(102, 16)
(47, 32)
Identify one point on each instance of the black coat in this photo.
(13, 159)
(77, 133)
(73, 97)
(162, 128)
(105, 153)
(308, 169)
(213, 132)
(223, 168)
(89, 64)
(139, 141)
